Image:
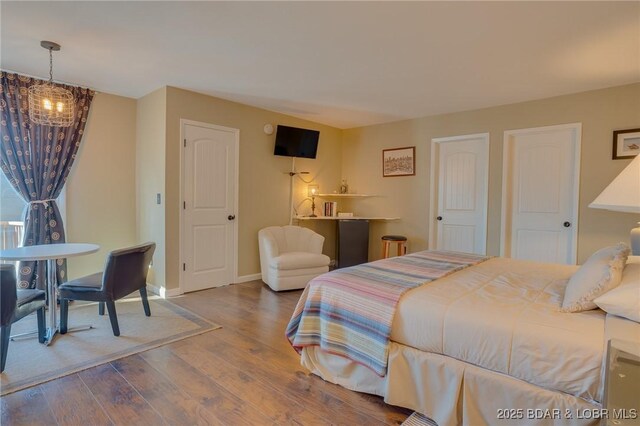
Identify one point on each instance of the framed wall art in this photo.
(399, 162)
(626, 143)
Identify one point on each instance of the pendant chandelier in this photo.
(49, 104)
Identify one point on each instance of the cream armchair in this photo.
(290, 256)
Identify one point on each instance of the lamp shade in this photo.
(623, 193)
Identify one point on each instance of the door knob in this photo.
(231, 217)
(439, 217)
(566, 224)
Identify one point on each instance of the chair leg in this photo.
(5, 335)
(145, 301)
(100, 308)
(111, 308)
(64, 315)
(41, 325)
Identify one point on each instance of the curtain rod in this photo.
(46, 79)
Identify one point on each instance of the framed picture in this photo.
(626, 143)
(399, 162)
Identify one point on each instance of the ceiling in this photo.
(345, 64)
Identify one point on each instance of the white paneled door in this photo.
(540, 193)
(461, 182)
(209, 205)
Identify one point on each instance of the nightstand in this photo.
(622, 384)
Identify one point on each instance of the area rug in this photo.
(417, 419)
(30, 363)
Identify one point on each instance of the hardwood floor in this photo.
(243, 374)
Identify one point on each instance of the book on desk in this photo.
(330, 208)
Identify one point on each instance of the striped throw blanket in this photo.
(349, 311)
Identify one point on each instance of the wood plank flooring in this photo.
(244, 374)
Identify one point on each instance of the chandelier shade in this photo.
(51, 105)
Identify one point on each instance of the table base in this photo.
(23, 335)
(52, 305)
(52, 327)
(51, 332)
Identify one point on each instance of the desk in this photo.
(50, 253)
(352, 239)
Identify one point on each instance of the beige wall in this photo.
(150, 178)
(264, 185)
(600, 112)
(130, 152)
(100, 192)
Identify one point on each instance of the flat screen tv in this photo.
(295, 142)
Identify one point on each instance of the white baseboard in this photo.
(247, 278)
(153, 289)
(162, 292)
(172, 292)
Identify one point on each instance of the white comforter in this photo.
(503, 315)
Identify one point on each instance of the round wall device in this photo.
(268, 129)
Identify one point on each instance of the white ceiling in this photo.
(342, 64)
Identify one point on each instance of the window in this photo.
(11, 225)
(12, 211)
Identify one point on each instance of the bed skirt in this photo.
(453, 392)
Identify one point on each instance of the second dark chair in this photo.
(125, 272)
(15, 305)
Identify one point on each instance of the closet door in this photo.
(540, 193)
(461, 182)
(210, 177)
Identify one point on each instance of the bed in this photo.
(485, 343)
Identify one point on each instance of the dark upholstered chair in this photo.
(15, 305)
(125, 272)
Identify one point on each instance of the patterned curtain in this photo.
(37, 160)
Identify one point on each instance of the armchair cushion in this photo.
(278, 274)
(299, 260)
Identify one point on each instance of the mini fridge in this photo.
(352, 242)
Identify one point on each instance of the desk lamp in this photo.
(312, 191)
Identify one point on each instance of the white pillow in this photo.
(624, 300)
(599, 274)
